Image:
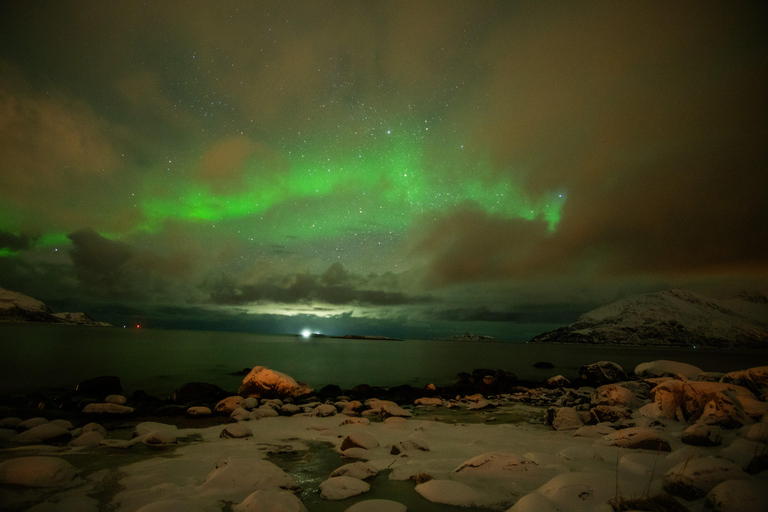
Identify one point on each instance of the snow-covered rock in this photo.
(107, 408)
(248, 475)
(663, 368)
(228, 405)
(91, 438)
(30, 423)
(36, 471)
(577, 491)
(270, 501)
(377, 506)
(694, 478)
(737, 496)
(159, 438)
(493, 463)
(359, 440)
(755, 379)
(236, 431)
(263, 382)
(171, 506)
(672, 317)
(359, 470)
(433, 401)
(451, 492)
(356, 421)
(147, 427)
(601, 373)
(342, 487)
(45, 433)
(638, 438)
(612, 395)
(324, 410)
(385, 408)
(199, 410)
(558, 381)
(702, 434)
(564, 418)
(240, 414)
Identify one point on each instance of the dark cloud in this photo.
(115, 269)
(16, 242)
(335, 286)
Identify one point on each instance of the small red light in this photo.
(137, 326)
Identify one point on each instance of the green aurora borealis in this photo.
(407, 168)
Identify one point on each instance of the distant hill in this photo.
(17, 307)
(673, 318)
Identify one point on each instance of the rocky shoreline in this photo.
(707, 431)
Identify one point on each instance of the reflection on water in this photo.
(49, 357)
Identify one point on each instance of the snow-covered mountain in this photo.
(672, 317)
(17, 307)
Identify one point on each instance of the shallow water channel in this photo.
(311, 467)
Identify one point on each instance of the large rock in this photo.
(737, 496)
(37, 471)
(359, 440)
(45, 433)
(342, 487)
(693, 479)
(107, 409)
(755, 379)
(688, 401)
(612, 395)
(637, 438)
(601, 373)
(451, 492)
(270, 501)
(701, 434)
(564, 418)
(230, 404)
(662, 368)
(359, 470)
(377, 506)
(236, 474)
(263, 382)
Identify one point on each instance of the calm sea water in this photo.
(49, 358)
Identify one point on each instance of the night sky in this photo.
(409, 168)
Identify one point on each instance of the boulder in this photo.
(558, 381)
(662, 368)
(755, 379)
(159, 438)
(199, 410)
(494, 464)
(356, 421)
(377, 506)
(605, 413)
(324, 410)
(228, 405)
(724, 411)
(236, 430)
(116, 399)
(433, 401)
(359, 470)
(270, 501)
(601, 373)
(737, 496)
(147, 427)
(342, 487)
(91, 438)
(359, 440)
(30, 423)
(240, 414)
(264, 411)
(578, 491)
(36, 471)
(385, 408)
(290, 409)
(637, 438)
(263, 382)
(612, 395)
(409, 445)
(99, 387)
(450, 492)
(564, 418)
(107, 409)
(45, 433)
(235, 475)
(694, 478)
(702, 434)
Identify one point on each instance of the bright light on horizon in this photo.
(306, 333)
